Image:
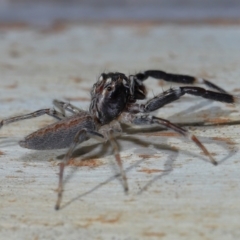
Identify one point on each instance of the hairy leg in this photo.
(81, 136)
(110, 131)
(65, 106)
(174, 94)
(177, 78)
(48, 111)
(129, 118)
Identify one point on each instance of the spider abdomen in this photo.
(58, 135)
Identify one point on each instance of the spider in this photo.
(114, 100)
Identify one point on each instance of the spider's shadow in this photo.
(212, 112)
(168, 165)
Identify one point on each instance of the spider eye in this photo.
(109, 89)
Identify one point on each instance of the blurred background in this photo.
(48, 11)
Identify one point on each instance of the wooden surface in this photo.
(175, 193)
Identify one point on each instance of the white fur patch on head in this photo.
(109, 80)
(100, 78)
(103, 93)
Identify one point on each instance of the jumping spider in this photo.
(114, 100)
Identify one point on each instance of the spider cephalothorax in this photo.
(110, 95)
(114, 100)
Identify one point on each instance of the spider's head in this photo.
(109, 96)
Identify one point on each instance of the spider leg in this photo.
(48, 111)
(109, 131)
(149, 120)
(177, 78)
(119, 161)
(81, 136)
(174, 94)
(65, 106)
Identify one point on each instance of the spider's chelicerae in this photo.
(114, 100)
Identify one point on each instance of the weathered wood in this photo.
(175, 193)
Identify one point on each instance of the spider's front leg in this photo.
(177, 78)
(174, 94)
(137, 119)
